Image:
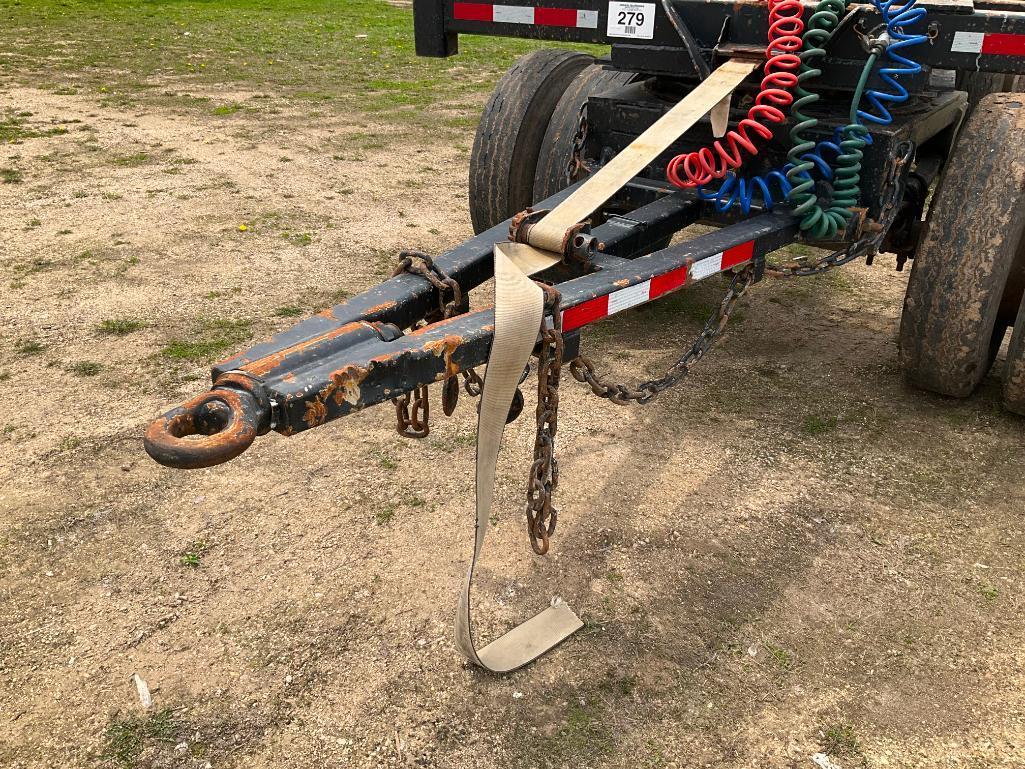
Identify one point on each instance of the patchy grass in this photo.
(131, 161)
(209, 339)
(356, 55)
(128, 737)
(781, 658)
(226, 109)
(120, 326)
(815, 424)
(191, 557)
(85, 368)
(69, 443)
(11, 176)
(840, 741)
(988, 591)
(15, 128)
(298, 238)
(288, 311)
(384, 514)
(28, 347)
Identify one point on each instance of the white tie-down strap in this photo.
(519, 310)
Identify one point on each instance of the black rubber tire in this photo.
(950, 328)
(1014, 374)
(511, 130)
(557, 147)
(982, 84)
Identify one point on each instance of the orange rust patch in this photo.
(345, 384)
(381, 307)
(316, 412)
(446, 347)
(268, 363)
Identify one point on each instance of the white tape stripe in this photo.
(708, 266)
(968, 42)
(587, 19)
(513, 14)
(629, 297)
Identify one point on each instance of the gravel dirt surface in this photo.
(792, 560)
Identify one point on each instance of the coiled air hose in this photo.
(785, 28)
(815, 220)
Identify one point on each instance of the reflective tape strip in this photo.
(993, 44)
(1004, 45)
(603, 306)
(520, 14)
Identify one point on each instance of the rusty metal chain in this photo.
(413, 421)
(419, 263)
(576, 162)
(542, 516)
(583, 369)
(413, 410)
(867, 245)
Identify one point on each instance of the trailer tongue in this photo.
(651, 164)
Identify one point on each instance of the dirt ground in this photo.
(790, 561)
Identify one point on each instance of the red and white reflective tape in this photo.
(603, 306)
(992, 43)
(518, 14)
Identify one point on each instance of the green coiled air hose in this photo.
(816, 221)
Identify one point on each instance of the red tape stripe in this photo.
(1001, 44)
(738, 255)
(555, 17)
(598, 308)
(663, 284)
(473, 11)
(588, 312)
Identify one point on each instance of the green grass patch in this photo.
(288, 311)
(781, 658)
(840, 741)
(14, 127)
(28, 347)
(210, 339)
(226, 109)
(816, 424)
(126, 738)
(988, 591)
(120, 326)
(130, 161)
(85, 368)
(11, 176)
(298, 238)
(342, 56)
(192, 556)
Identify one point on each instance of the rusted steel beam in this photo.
(362, 364)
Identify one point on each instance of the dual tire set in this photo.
(967, 283)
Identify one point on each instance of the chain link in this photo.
(583, 369)
(413, 410)
(576, 161)
(413, 421)
(419, 263)
(542, 515)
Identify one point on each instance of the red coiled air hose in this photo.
(781, 66)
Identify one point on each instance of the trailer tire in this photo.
(1014, 375)
(505, 150)
(557, 147)
(981, 84)
(951, 327)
